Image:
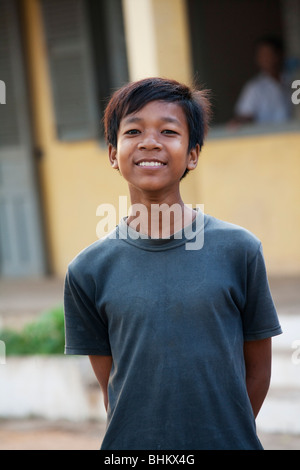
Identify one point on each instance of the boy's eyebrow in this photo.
(132, 119)
(170, 119)
(136, 119)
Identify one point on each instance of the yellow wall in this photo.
(251, 181)
(157, 39)
(140, 38)
(172, 39)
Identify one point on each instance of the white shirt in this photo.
(265, 99)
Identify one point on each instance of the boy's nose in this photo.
(149, 143)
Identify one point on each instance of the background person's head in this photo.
(269, 55)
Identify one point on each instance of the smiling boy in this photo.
(179, 339)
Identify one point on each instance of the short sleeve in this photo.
(259, 317)
(85, 331)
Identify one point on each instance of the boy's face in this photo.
(152, 147)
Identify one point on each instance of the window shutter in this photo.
(71, 70)
(9, 126)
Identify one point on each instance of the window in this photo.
(87, 60)
(223, 36)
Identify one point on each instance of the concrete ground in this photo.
(36, 434)
(21, 301)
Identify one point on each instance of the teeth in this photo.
(150, 164)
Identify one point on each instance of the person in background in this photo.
(266, 98)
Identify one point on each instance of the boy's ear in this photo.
(112, 155)
(193, 157)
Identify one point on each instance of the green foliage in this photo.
(45, 335)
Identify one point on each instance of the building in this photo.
(60, 60)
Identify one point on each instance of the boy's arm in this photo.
(102, 367)
(258, 359)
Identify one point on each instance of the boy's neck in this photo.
(157, 217)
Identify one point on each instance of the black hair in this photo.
(273, 41)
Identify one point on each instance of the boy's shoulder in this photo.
(232, 235)
(213, 223)
(94, 254)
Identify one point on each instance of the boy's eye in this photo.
(132, 132)
(168, 131)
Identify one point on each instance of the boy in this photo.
(178, 338)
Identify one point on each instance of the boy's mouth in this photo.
(150, 163)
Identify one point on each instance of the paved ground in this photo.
(38, 434)
(21, 301)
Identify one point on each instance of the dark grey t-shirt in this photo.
(174, 320)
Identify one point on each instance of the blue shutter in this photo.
(71, 68)
(21, 234)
